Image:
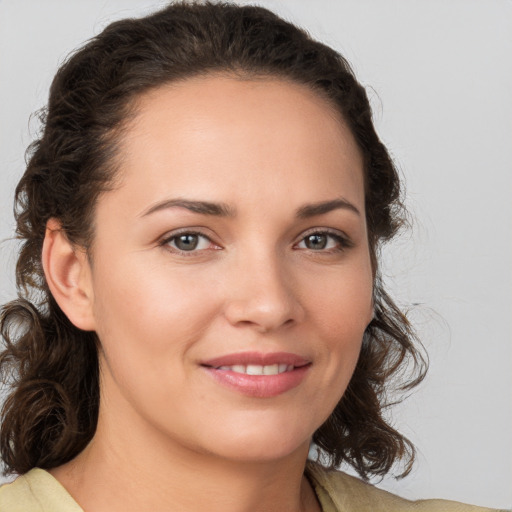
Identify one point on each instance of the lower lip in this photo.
(259, 386)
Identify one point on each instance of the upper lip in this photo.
(256, 358)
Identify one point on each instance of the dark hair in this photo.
(51, 366)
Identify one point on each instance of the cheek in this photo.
(341, 305)
(148, 311)
(148, 321)
(342, 301)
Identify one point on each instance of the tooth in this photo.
(257, 369)
(254, 369)
(271, 369)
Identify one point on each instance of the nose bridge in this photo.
(261, 293)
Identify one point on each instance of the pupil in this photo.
(187, 242)
(316, 241)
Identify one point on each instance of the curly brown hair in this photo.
(51, 367)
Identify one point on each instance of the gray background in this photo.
(439, 76)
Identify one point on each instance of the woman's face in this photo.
(231, 278)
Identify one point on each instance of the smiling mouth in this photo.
(259, 375)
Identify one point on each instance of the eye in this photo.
(188, 241)
(323, 241)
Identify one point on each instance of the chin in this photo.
(262, 446)
(261, 454)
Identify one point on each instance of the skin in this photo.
(265, 148)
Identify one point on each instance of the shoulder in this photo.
(339, 492)
(36, 491)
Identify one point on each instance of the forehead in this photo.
(221, 135)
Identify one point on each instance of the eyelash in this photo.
(343, 242)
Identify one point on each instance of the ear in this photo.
(68, 274)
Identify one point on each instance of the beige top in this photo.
(339, 492)
(38, 491)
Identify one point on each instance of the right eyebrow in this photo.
(323, 207)
(202, 207)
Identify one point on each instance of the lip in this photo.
(258, 386)
(257, 358)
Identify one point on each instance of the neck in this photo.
(119, 472)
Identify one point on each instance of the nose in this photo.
(263, 295)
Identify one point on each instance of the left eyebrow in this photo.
(311, 210)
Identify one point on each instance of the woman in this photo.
(201, 221)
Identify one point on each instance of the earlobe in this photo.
(68, 275)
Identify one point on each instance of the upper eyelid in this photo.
(329, 231)
(184, 231)
(198, 231)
